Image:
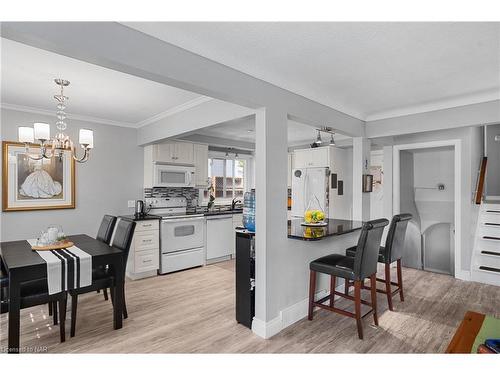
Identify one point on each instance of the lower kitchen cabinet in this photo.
(144, 255)
(220, 237)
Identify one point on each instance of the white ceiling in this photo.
(368, 70)
(244, 130)
(95, 93)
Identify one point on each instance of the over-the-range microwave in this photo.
(167, 175)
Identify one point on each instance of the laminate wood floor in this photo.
(193, 312)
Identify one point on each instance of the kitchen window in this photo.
(228, 178)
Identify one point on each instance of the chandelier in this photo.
(55, 147)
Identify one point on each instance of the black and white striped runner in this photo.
(67, 269)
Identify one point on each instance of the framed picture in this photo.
(27, 184)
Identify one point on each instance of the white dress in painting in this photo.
(39, 184)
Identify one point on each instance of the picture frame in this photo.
(27, 185)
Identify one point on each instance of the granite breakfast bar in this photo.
(302, 245)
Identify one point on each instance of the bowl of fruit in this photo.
(314, 218)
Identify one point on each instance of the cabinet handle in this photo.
(146, 225)
(147, 240)
(147, 261)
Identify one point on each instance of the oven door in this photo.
(181, 234)
(173, 176)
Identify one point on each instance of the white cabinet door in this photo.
(311, 158)
(220, 236)
(184, 153)
(200, 164)
(163, 152)
(237, 222)
(302, 159)
(319, 157)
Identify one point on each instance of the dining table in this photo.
(24, 265)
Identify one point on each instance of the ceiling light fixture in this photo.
(318, 138)
(332, 140)
(324, 129)
(61, 142)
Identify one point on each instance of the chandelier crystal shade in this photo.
(55, 147)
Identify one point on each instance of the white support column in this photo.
(271, 211)
(360, 165)
(388, 173)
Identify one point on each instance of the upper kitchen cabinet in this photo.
(311, 157)
(200, 164)
(174, 152)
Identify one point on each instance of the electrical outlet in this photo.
(131, 204)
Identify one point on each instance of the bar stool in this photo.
(357, 268)
(392, 252)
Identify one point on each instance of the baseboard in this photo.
(463, 275)
(287, 316)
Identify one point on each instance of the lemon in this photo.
(308, 216)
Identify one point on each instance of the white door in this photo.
(220, 236)
(184, 153)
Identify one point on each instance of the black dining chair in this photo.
(104, 234)
(34, 293)
(388, 254)
(362, 266)
(106, 228)
(103, 277)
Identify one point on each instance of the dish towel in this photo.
(67, 269)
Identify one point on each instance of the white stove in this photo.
(182, 235)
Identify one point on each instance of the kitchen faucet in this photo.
(234, 201)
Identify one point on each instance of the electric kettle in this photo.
(140, 208)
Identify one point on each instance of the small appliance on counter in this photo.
(140, 209)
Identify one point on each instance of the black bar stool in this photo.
(392, 252)
(357, 268)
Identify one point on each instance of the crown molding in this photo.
(40, 111)
(463, 100)
(174, 110)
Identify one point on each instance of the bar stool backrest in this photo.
(365, 260)
(395, 242)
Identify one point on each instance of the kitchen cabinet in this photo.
(200, 164)
(220, 237)
(174, 152)
(144, 254)
(311, 157)
(237, 222)
(290, 169)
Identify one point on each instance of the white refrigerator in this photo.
(308, 183)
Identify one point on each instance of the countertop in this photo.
(222, 212)
(146, 217)
(335, 227)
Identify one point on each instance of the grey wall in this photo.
(493, 153)
(112, 176)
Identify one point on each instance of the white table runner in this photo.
(67, 269)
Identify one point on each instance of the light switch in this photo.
(131, 204)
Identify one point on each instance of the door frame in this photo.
(396, 195)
